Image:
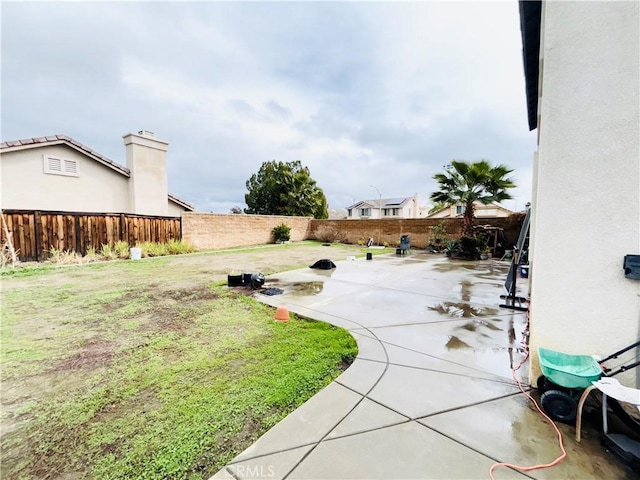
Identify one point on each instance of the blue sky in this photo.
(363, 93)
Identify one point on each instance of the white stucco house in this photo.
(492, 210)
(385, 208)
(582, 74)
(58, 173)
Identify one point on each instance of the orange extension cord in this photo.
(560, 439)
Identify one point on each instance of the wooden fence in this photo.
(35, 232)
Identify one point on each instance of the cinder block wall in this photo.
(352, 231)
(215, 230)
(383, 230)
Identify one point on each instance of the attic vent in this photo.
(147, 133)
(57, 166)
(71, 166)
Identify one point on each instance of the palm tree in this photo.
(465, 182)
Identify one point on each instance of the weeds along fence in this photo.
(35, 232)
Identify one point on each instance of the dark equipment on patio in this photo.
(510, 284)
(249, 280)
(257, 281)
(631, 266)
(565, 384)
(405, 244)
(236, 281)
(324, 264)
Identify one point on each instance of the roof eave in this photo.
(181, 202)
(530, 21)
(51, 140)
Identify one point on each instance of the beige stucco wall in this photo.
(587, 204)
(481, 211)
(147, 160)
(173, 209)
(25, 186)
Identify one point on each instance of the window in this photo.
(460, 209)
(365, 212)
(395, 212)
(349, 212)
(59, 166)
(385, 211)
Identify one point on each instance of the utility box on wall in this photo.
(632, 266)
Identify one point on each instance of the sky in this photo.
(374, 97)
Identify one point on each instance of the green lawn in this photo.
(149, 369)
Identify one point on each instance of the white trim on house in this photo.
(60, 166)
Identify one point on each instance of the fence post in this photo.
(37, 231)
(76, 224)
(123, 235)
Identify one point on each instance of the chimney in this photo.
(147, 161)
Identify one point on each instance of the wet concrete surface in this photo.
(431, 394)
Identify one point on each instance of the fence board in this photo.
(34, 232)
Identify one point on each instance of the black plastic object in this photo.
(369, 256)
(273, 291)
(324, 264)
(257, 280)
(560, 406)
(632, 266)
(235, 280)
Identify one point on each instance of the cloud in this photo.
(364, 94)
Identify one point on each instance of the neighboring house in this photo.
(59, 173)
(337, 214)
(493, 210)
(582, 75)
(404, 207)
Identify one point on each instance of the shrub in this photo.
(172, 247)
(281, 233)
(152, 249)
(438, 236)
(64, 257)
(452, 247)
(178, 247)
(107, 252)
(121, 249)
(472, 247)
(327, 234)
(92, 255)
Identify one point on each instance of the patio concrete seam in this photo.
(475, 450)
(323, 438)
(461, 407)
(496, 380)
(428, 355)
(351, 410)
(375, 401)
(353, 434)
(262, 455)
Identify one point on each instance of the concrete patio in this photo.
(430, 394)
